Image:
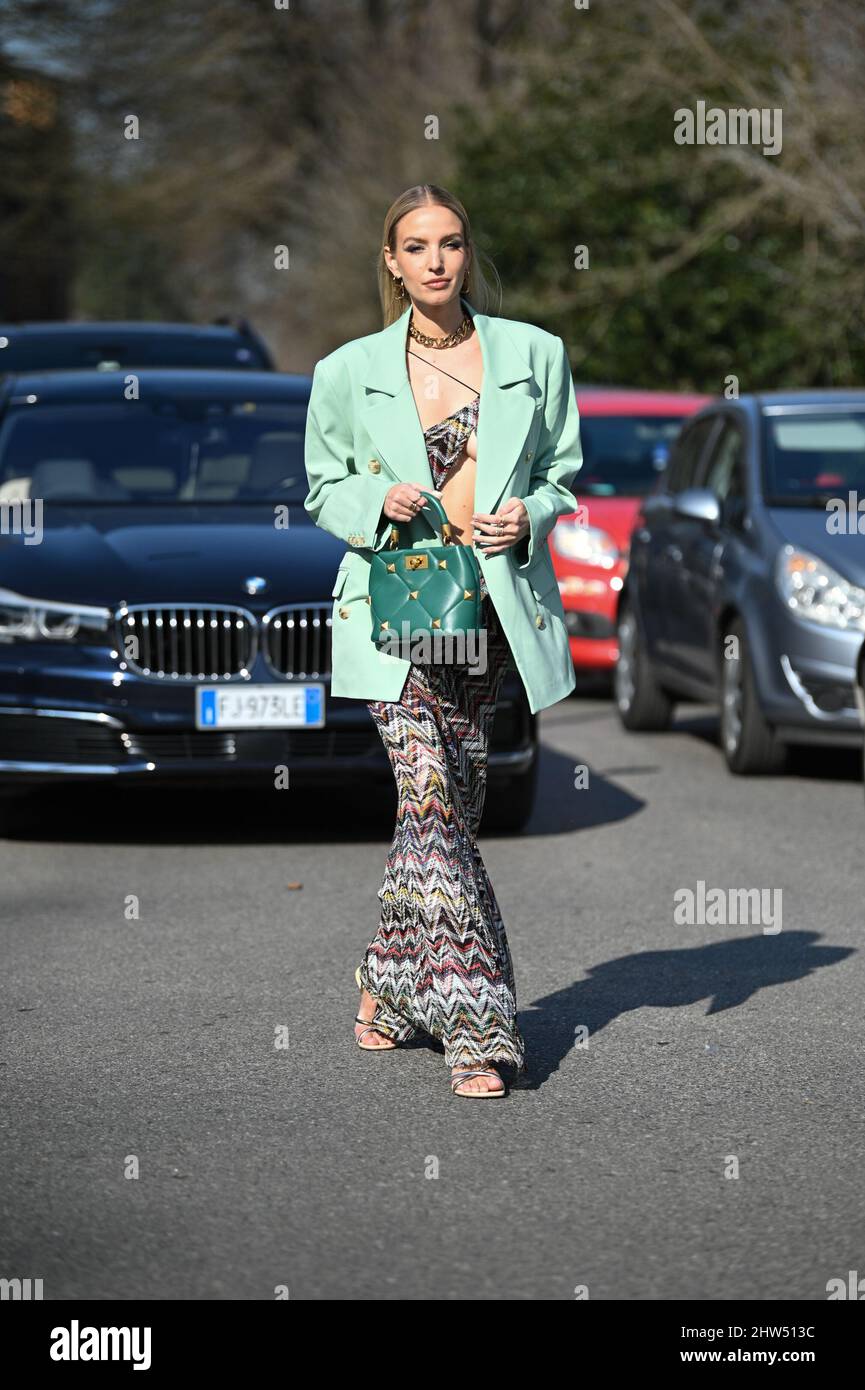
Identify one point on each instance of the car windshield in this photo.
(156, 451)
(69, 352)
(808, 458)
(623, 454)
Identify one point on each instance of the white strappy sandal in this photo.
(458, 1077)
(370, 1026)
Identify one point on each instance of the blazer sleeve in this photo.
(556, 464)
(342, 501)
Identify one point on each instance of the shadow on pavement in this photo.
(727, 973)
(89, 814)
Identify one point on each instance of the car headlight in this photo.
(817, 593)
(589, 545)
(40, 620)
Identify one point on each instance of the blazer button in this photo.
(343, 612)
(529, 457)
(539, 622)
(374, 466)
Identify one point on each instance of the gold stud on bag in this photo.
(421, 587)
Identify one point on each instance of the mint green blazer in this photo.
(363, 434)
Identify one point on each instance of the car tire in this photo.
(642, 705)
(859, 686)
(508, 808)
(748, 741)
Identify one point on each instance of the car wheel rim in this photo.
(731, 705)
(625, 664)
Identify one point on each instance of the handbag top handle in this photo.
(438, 521)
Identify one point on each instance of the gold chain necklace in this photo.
(450, 340)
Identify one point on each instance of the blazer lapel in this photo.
(504, 419)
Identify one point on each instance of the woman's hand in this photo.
(498, 532)
(405, 500)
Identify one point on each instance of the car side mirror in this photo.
(699, 503)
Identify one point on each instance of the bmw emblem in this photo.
(255, 584)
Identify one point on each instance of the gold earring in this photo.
(400, 288)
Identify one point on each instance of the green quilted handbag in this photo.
(433, 588)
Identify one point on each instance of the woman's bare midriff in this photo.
(466, 363)
(458, 492)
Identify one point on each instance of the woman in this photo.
(480, 411)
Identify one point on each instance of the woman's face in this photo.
(430, 246)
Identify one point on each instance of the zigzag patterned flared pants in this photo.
(440, 962)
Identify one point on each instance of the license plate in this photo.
(259, 707)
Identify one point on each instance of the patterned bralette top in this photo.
(445, 441)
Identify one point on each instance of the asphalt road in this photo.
(155, 1142)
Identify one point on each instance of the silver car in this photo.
(746, 583)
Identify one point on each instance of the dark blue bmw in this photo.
(165, 600)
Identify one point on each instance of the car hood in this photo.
(615, 515)
(806, 528)
(179, 554)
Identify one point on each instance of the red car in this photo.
(626, 437)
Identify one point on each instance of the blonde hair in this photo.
(480, 294)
